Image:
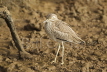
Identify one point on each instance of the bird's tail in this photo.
(78, 40)
(82, 42)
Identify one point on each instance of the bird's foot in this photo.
(53, 61)
(62, 63)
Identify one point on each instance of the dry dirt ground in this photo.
(88, 18)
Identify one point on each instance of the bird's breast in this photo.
(49, 29)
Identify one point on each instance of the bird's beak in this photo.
(45, 21)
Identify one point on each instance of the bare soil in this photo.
(88, 18)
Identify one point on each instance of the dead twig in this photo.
(5, 14)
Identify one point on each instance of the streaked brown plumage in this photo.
(59, 31)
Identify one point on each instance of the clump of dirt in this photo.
(88, 18)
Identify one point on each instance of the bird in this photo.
(61, 32)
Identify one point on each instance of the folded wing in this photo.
(63, 32)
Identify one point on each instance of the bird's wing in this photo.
(63, 32)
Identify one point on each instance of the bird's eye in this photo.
(54, 16)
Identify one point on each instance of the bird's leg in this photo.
(57, 53)
(62, 53)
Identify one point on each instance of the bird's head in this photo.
(52, 17)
